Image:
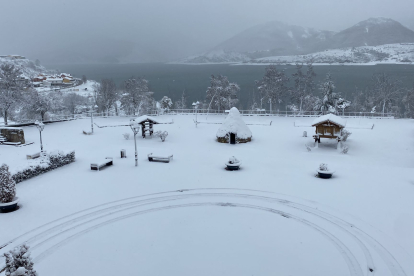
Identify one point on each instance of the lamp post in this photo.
(40, 126)
(135, 128)
(196, 104)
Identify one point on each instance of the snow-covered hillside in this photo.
(218, 56)
(383, 54)
(28, 68)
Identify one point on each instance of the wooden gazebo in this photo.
(328, 126)
(147, 123)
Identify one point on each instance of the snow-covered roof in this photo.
(330, 118)
(144, 118)
(234, 124)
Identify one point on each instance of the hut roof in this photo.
(234, 124)
(331, 118)
(144, 118)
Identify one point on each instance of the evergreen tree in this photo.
(7, 185)
(166, 103)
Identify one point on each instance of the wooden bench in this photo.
(108, 161)
(33, 156)
(164, 159)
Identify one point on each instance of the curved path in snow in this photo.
(348, 238)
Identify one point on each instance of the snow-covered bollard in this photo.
(233, 164)
(324, 172)
(305, 134)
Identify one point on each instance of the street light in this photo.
(135, 128)
(40, 126)
(196, 104)
(91, 110)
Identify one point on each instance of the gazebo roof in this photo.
(144, 118)
(331, 118)
(234, 124)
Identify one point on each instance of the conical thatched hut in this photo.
(234, 129)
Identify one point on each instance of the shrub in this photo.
(345, 134)
(323, 167)
(19, 262)
(55, 160)
(7, 185)
(308, 147)
(126, 136)
(345, 149)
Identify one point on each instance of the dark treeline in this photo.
(276, 90)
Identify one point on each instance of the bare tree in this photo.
(304, 84)
(39, 103)
(385, 90)
(74, 103)
(136, 97)
(273, 86)
(10, 88)
(106, 95)
(221, 93)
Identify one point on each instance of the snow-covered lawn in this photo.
(192, 217)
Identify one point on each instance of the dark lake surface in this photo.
(171, 79)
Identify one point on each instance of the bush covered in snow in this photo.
(19, 262)
(323, 167)
(7, 185)
(308, 148)
(344, 149)
(161, 134)
(126, 136)
(54, 160)
(345, 134)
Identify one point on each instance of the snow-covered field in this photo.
(192, 217)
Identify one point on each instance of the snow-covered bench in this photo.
(33, 156)
(108, 161)
(154, 158)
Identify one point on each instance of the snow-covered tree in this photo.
(137, 97)
(19, 262)
(84, 79)
(166, 103)
(342, 104)
(304, 84)
(181, 103)
(7, 185)
(385, 90)
(74, 103)
(39, 103)
(329, 99)
(11, 88)
(221, 93)
(408, 101)
(106, 95)
(273, 86)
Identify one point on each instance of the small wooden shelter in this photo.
(147, 123)
(234, 129)
(328, 126)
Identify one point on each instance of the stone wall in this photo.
(13, 134)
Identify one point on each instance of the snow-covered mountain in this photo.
(371, 32)
(382, 54)
(279, 39)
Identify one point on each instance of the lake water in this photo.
(171, 79)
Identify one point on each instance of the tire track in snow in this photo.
(59, 228)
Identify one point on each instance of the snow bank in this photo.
(330, 118)
(234, 124)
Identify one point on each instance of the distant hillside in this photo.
(279, 39)
(383, 54)
(28, 67)
(371, 32)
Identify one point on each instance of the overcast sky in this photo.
(165, 29)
